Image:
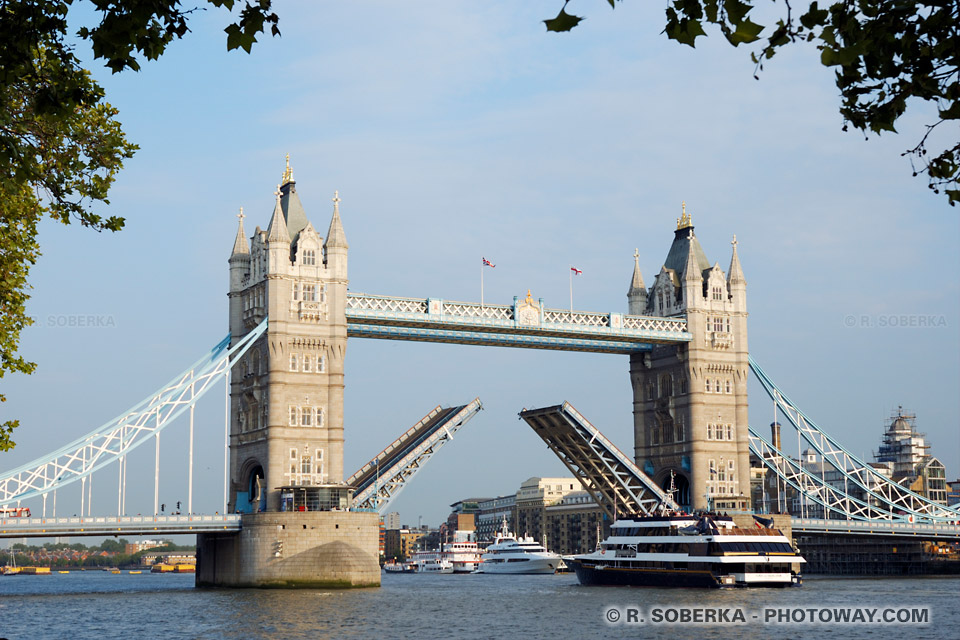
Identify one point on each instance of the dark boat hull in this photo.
(589, 575)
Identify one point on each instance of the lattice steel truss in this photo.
(114, 439)
(610, 477)
(882, 498)
(406, 456)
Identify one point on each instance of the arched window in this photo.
(294, 416)
(709, 431)
(729, 387)
(294, 362)
(296, 290)
(707, 384)
(306, 417)
(319, 418)
(730, 435)
(308, 363)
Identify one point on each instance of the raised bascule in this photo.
(291, 518)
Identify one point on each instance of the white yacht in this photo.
(680, 550)
(510, 554)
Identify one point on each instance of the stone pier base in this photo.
(320, 549)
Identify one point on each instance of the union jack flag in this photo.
(487, 263)
(576, 272)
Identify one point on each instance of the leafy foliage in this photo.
(885, 54)
(61, 145)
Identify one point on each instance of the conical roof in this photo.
(335, 234)
(636, 282)
(735, 273)
(240, 246)
(277, 231)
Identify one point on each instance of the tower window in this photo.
(730, 435)
(718, 324)
(310, 257)
(729, 386)
(321, 364)
(309, 293)
(707, 385)
(308, 364)
(294, 416)
(294, 362)
(709, 431)
(306, 417)
(319, 417)
(293, 454)
(296, 290)
(717, 293)
(306, 465)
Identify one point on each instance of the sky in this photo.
(455, 131)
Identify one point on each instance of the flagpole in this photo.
(570, 273)
(481, 282)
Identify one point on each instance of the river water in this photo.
(100, 605)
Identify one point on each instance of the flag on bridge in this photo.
(487, 263)
(576, 272)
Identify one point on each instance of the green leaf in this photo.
(563, 22)
(747, 31)
(685, 31)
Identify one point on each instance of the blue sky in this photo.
(460, 130)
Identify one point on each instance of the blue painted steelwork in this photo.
(489, 339)
(383, 478)
(892, 500)
(882, 528)
(113, 525)
(116, 438)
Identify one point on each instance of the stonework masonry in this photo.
(690, 400)
(286, 413)
(293, 550)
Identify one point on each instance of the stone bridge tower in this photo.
(286, 396)
(286, 414)
(690, 400)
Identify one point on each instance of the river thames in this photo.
(97, 605)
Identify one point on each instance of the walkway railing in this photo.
(525, 323)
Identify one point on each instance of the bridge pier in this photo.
(319, 549)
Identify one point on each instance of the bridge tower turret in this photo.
(690, 400)
(287, 393)
(286, 414)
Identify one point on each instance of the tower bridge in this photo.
(293, 517)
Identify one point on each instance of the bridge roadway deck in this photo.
(525, 323)
(113, 525)
(878, 528)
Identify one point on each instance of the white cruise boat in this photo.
(431, 562)
(463, 552)
(679, 550)
(509, 554)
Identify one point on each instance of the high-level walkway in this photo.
(525, 323)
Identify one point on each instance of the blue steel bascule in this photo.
(681, 335)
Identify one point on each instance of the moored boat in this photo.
(523, 555)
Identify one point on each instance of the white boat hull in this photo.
(527, 566)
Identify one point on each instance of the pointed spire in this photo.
(735, 274)
(335, 235)
(277, 231)
(240, 246)
(691, 268)
(636, 283)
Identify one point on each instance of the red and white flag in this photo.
(576, 272)
(487, 263)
